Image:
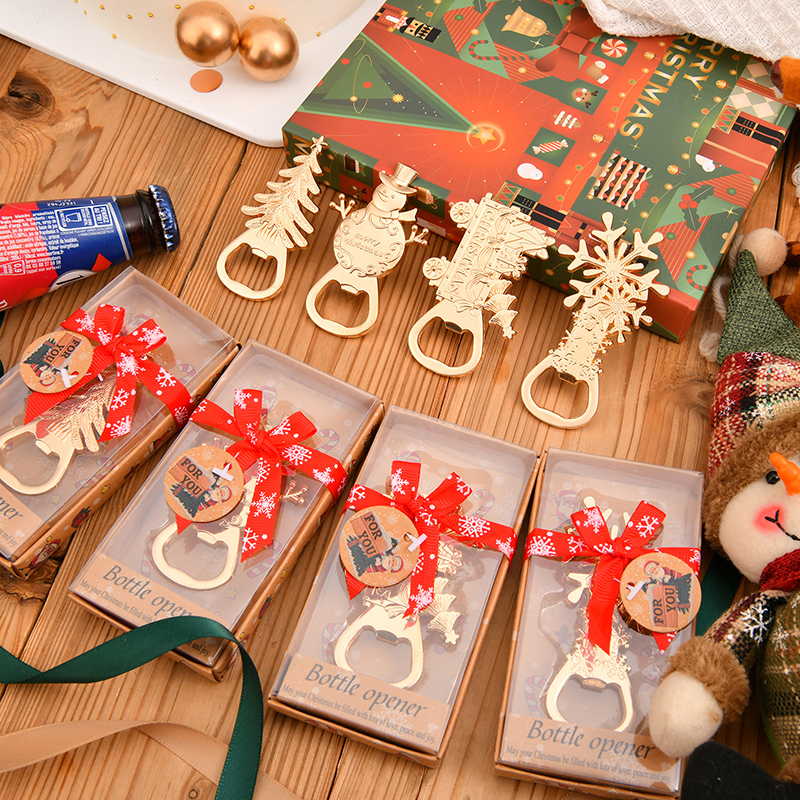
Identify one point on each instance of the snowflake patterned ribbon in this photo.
(592, 539)
(128, 353)
(430, 515)
(270, 448)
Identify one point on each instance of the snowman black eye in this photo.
(772, 477)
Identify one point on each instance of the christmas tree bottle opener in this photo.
(611, 300)
(654, 590)
(367, 245)
(476, 279)
(68, 410)
(278, 222)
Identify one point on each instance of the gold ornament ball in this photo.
(268, 49)
(207, 33)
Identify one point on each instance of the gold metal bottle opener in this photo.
(595, 668)
(475, 280)
(228, 535)
(367, 245)
(279, 222)
(384, 616)
(611, 300)
(70, 427)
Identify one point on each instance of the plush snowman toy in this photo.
(751, 512)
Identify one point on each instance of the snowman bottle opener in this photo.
(367, 245)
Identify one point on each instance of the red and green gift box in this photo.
(533, 102)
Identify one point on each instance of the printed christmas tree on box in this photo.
(531, 101)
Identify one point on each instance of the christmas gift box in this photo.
(221, 521)
(608, 590)
(92, 400)
(532, 101)
(391, 631)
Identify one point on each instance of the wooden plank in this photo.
(11, 55)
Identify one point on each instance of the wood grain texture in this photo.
(64, 133)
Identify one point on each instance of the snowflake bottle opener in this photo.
(476, 279)
(668, 584)
(367, 245)
(278, 223)
(611, 300)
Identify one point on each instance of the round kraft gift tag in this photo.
(375, 543)
(56, 361)
(660, 592)
(204, 484)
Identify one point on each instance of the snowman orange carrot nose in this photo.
(788, 472)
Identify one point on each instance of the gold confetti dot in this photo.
(474, 31)
(150, 14)
(644, 215)
(695, 125)
(717, 99)
(522, 70)
(685, 156)
(353, 99)
(129, 16)
(690, 254)
(668, 187)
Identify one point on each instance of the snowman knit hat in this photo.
(756, 408)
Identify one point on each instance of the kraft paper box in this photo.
(123, 581)
(583, 751)
(195, 352)
(531, 101)
(406, 676)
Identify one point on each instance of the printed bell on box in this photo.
(608, 584)
(90, 401)
(223, 518)
(399, 610)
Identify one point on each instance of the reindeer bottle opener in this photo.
(491, 251)
(611, 299)
(228, 535)
(279, 222)
(367, 245)
(588, 662)
(384, 616)
(68, 428)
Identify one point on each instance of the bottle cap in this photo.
(166, 216)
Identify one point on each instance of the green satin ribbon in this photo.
(138, 647)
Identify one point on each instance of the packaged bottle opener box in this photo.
(223, 518)
(68, 439)
(391, 631)
(574, 711)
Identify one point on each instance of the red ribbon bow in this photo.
(592, 539)
(128, 354)
(270, 448)
(430, 516)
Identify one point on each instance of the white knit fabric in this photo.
(769, 29)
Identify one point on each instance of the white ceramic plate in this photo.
(242, 105)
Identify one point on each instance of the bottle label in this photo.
(48, 244)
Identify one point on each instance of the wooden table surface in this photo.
(65, 133)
